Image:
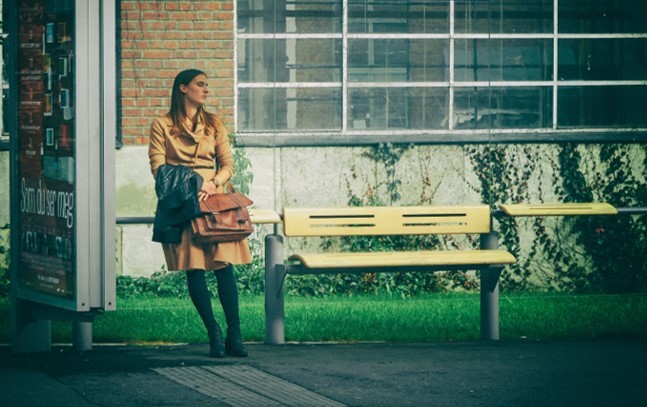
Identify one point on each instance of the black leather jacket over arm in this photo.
(177, 188)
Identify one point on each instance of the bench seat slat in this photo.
(558, 209)
(264, 216)
(375, 220)
(402, 259)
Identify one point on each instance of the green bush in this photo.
(172, 284)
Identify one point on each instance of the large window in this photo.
(355, 71)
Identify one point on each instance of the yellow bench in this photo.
(380, 221)
(558, 209)
(260, 216)
(374, 221)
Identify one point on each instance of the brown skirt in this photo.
(212, 256)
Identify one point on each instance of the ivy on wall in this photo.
(388, 155)
(617, 244)
(243, 174)
(579, 254)
(4, 262)
(498, 177)
(385, 157)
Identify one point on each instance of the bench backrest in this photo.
(381, 220)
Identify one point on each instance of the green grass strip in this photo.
(428, 318)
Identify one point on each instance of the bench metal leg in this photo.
(490, 292)
(274, 305)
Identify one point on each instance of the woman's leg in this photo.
(201, 299)
(228, 295)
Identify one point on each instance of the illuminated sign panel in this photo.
(46, 126)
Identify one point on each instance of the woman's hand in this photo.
(208, 189)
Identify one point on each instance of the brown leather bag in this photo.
(223, 218)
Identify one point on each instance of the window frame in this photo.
(449, 135)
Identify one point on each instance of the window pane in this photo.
(398, 16)
(503, 16)
(503, 60)
(289, 16)
(396, 108)
(603, 59)
(602, 16)
(602, 106)
(388, 60)
(500, 108)
(290, 60)
(289, 109)
(428, 107)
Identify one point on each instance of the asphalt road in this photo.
(504, 373)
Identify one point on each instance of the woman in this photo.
(189, 135)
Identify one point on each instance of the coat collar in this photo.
(198, 133)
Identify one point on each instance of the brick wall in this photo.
(160, 38)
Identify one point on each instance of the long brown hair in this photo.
(178, 111)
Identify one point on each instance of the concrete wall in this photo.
(330, 176)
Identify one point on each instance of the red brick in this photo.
(160, 54)
(215, 5)
(188, 16)
(128, 5)
(156, 15)
(223, 16)
(160, 38)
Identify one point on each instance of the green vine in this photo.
(4, 262)
(243, 175)
(403, 284)
(616, 244)
(500, 182)
(578, 253)
(389, 155)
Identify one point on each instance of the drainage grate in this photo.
(245, 386)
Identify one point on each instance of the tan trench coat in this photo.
(165, 148)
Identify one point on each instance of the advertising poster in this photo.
(47, 147)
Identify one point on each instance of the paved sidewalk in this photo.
(505, 373)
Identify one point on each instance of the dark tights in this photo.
(227, 293)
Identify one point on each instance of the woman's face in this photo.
(195, 93)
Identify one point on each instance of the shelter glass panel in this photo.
(47, 147)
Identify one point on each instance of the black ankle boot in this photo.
(216, 347)
(234, 343)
